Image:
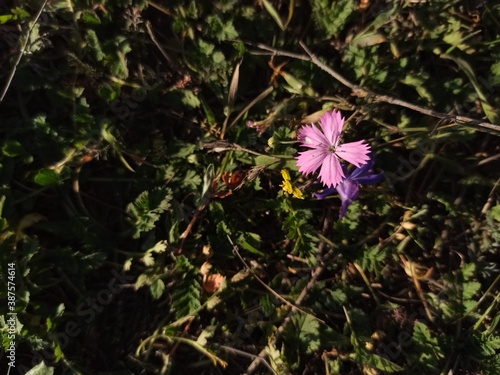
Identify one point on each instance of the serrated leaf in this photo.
(470, 289)
(371, 360)
(90, 18)
(250, 242)
(94, 45)
(190, 99)
(157, 288)
(489, 344)
(191, 179)
(186, 298)
(148, 260)
(468, 270)
(331, 16)
(147, 208)
(302, 335)
(422, 334)
(159, 247)
(276, 360)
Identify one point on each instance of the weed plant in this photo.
(153, 211)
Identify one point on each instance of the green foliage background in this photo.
(141, 149)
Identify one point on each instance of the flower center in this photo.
(331, 148)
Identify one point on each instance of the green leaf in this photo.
(95, 46)
(107, 134)
(470, 289)
(186, 298)
(368, 359)
(116, 60)
(13, 148)
(490, 344)
(274, 14)
(209, 113)
(191, 180)
(91, 18)
(468, 270)
(107, 92)
(221, 29)
(250, 241)
(279, 366)
(157, 288)
(4, 18)
(143, 279)
(275, 162)
(331, 16)
(190, 99)
(147, 208)
(494, 213)
(301, 338)
(418, 83)
(17, 13)
(426, 350)
(421, 334)
(47, 177)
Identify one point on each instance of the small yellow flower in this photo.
(288, 187)
(297, 193)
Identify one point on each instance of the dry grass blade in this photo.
(231, 97)
(233, 89)
(274, 14)
(261, 96)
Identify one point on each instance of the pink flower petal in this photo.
(332, 124)
(311, 136)
(331, 173)
(309, 161)
(354, 152)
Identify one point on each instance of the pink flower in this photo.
(326, 151)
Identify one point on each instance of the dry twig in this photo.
(360, 91)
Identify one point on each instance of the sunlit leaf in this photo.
(47, 177)
(41, 369)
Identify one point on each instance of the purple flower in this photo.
(326, 151)
(348, 189)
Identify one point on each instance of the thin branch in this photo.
(277, 295)
(360, 91)
(156, 43)
(247, 355)
(21, 52)
(307, 289)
